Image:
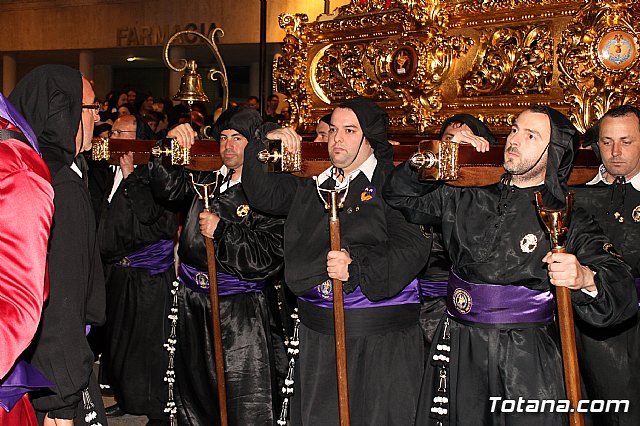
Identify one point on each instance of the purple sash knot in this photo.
(22, 378)
(322, 296)
(156, 258)
(430, 288)
(498, 304)
(198, 281)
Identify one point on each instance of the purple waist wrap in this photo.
(228, 285)
(22, 379)
(498, 304)
(430, 288)
(638, 289)
(322, 296)
(156, 258)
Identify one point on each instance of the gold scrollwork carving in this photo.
(514, 60)
(593, 78)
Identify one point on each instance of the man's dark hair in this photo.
(538, 108)
(273, 95)
(253, 97)
(621, 111)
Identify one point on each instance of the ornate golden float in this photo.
(424, 60)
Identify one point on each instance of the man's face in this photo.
(232, 145)
(619, 144)
(87, 119)
(453, 129)
(345, 135)
(528, 139)
(124, 127)
(322, 132)
(131, 96)
(274, 101)
(252, 103)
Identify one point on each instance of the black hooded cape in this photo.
(50, 99)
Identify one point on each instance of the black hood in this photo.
(477, 127)
(565, 141)
(50, 99)
(241, 119)
(374, 122)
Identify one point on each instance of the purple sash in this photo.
(10, 113)
(156, 258)
(322, 297)
(498, 304)
(638, 289)
(228, 285)
(19, 381)
(430, 288)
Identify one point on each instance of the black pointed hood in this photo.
(374, 122)
(50, 99)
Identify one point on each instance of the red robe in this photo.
(26, 209)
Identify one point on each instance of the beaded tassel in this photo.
(293, 349)
(90, 408)
(170, 346)
(440, 407)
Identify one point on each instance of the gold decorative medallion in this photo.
(325, 289)
(636, 214)
(462, 301)
(617, 50)
(528, 243)
(242, 210)
(610, 249)
(202, 280)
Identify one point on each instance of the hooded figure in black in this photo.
(434, 277)
(249, 251)
(610, 357)
(51, 99)
(498, 340)
(385, 352)
(136, 235)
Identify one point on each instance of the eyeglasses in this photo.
(116, 133)
(94, 106)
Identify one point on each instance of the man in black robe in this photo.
(381, 256)
(498, 341)
(434, 277)
(249, 251)
(136, 237)
(610, 357)
(59, 105)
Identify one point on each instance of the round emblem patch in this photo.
(636, 214)
(528, 243)
(462, 301)
(202, 280)
(325, 289)
(242, 210)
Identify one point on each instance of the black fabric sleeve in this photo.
(138, 192)
(251, 253)
(616, 300)
(271, 193)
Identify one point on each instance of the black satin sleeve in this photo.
(252, 249)
(169, 183)
(271, 193)
(616, 300)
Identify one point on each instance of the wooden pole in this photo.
(338, 317)
(215, 317)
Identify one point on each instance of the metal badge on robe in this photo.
(528, 243)
(124, 262)
(610, 249)
(462, 301)
(202, 280)
(325, 289)
(636, 214)
(368, 193)
(242, 210)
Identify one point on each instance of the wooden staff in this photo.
(557, 224)
(338, 315)
(215, 311)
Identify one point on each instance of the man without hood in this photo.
(136, 236)
(59, 105)
(249, 250)
(610, 357)
(498, 340)
(381, 256)
(24, 184)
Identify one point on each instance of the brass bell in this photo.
(191, 85)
